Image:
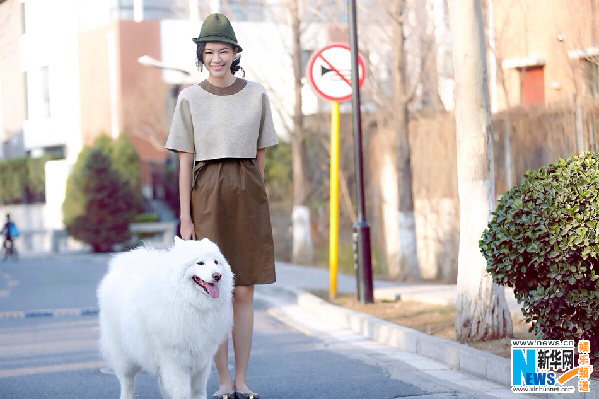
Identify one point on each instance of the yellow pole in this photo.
(333, 199)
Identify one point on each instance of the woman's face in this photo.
(218, 57)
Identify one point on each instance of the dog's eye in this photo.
(215, 262)
(201, 263)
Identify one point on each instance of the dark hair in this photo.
(200, 59)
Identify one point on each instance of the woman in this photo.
(220, 130)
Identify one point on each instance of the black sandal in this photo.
(247, 395)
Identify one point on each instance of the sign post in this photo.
(330, 76)
(334, 199)
(361, 235)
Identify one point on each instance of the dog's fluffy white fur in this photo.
(166, 312)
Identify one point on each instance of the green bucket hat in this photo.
(217, 28)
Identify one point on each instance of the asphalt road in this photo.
(57, 357)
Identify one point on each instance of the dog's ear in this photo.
(207, 243)
(177, 240)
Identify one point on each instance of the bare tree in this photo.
(288, 14)
(303, 251)
(146, 117)
(481, 309)
(405, 266)
(409, 49)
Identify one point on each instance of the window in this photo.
(151, 9)
(45, 84)
(245, 10)
(306, 54)
(588, 59)
(592, 77)
(23, 17)
(26, 94)
(55, 152)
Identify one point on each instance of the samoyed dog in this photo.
(166, 312)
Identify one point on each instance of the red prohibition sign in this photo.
(329, 72)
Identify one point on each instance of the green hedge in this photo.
(543, 241)
(148, 217)
(22, 181)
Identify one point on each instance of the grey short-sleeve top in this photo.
(215, 122)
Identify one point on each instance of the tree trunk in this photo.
(431, 99)
(481, 309)
(402, 264)
(384, 175)
(302, 236)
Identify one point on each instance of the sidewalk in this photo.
(289, 292)
(311, 278)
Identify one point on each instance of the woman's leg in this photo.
(243, 327)
(221, 360)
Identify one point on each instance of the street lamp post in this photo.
(148, 61)
(361, 234)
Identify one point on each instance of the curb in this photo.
(20, 314)
(453, 354)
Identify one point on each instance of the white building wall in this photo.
(94, 13)
(51, 40)
(12, 100)
(56, 182)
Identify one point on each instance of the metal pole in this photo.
(138, 10)
(361, 236)
(194, 10)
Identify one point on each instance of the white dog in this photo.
(166, 312)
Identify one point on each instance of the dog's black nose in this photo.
(217, 276)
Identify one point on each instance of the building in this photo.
(12, 80)
(545, 51)
(73, 69)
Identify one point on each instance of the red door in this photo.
(533, 85)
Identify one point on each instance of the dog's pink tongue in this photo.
(212, 290)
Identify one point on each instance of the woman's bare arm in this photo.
(185, 171)
(260, 160)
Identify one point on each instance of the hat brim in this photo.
(197, 40)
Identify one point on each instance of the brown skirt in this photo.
(229, 207)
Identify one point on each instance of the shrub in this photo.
(543, 241)
(22, 180)
(99, 204)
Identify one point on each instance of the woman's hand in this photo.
(187, 230)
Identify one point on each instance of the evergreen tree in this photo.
(99, 204)
(125, 161)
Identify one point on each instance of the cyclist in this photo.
(10, 232)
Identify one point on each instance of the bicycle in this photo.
(10, 250)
